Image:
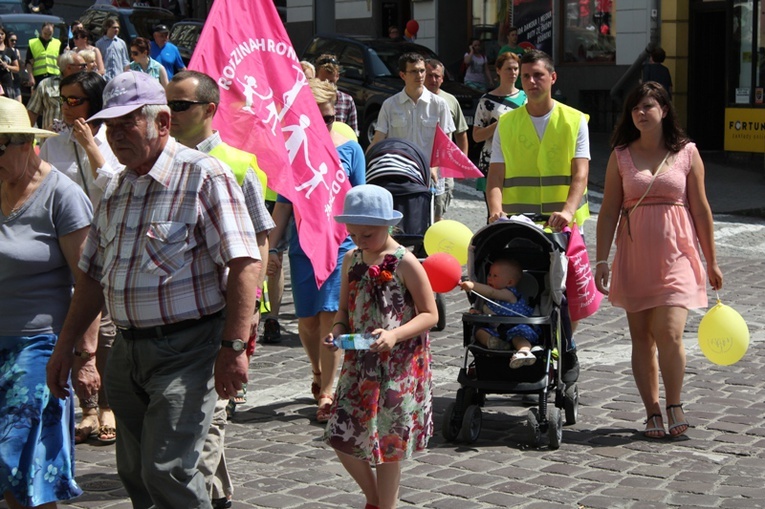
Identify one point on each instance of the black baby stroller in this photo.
(399, 166)
(542, 256)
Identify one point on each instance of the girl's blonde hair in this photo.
(88, 55)
(323, 91)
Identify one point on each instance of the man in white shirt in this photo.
(434, 78)
(414, 113)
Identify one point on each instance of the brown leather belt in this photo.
(161, 331)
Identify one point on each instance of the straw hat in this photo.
(369, 205)
(15, 120)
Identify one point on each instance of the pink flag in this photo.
(267, 108)
(452, 161)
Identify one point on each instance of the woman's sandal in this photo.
(88, 426)
(316, 385)
(107, 433)
(655, 431)
(672, 418)
(323, 412)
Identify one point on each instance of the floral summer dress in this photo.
(382, 410)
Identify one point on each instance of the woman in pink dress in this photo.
(655, 202)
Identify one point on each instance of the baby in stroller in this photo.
(501, 297)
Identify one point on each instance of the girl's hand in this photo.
(467, 286)
(385, 340)
(715, 276)
(601, 278)
(329, 342)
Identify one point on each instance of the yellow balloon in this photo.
(448, 236)
(723, 335)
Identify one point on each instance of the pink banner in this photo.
(452, 161)
(267, 108)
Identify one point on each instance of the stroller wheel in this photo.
(450, 427)
(441, 307)
(554, 427)
(471, 424)
(532, 421)
(571, 404)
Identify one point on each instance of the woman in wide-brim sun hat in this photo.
(44, 220)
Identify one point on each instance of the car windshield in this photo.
(384, 59)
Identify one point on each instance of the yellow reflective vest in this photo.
(239, 161)
(45, 59)
(538, 172)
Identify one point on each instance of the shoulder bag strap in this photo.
(82, 173)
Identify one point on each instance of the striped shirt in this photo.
(44, 101)
(160, 243)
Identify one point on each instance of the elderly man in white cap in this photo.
(157, 252)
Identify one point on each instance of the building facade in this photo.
(715, 50)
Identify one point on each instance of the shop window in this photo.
(746, 59)
(588, 31)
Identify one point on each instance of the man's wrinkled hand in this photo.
(86, 379)
(230, 372)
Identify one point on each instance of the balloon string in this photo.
(497, 304)
(717, 295)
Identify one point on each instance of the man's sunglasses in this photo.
(72, 101)
(183, 105)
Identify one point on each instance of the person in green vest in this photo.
(193, 98)
(540, 160)
(42, 57)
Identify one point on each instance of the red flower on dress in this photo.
(383, 273)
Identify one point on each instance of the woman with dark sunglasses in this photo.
(81, 39)
(82, 153)
(142, 62)
(9, 64)
(11, 40)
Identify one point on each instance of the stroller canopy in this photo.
(399, 166)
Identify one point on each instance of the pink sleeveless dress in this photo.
(657, 259)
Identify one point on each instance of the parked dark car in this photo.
(185, 35)
(13, 7)
(370, 75)
(134, 22)
(26, 27)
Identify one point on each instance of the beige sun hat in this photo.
(15, 120)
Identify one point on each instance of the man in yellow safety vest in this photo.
(42, 57)
(540, 161)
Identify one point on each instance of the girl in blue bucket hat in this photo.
(382, 410)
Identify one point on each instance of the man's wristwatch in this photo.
(85, 355)
(237, 345)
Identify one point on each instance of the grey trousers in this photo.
(212, 464)
(163, 395)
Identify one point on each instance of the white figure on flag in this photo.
(318, 177)
(250, 85)
(291, 94)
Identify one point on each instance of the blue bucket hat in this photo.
(369, 205)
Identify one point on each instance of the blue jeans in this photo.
(162, 392)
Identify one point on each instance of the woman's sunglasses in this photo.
(182, 105)
(328, 119)
(72, 101)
